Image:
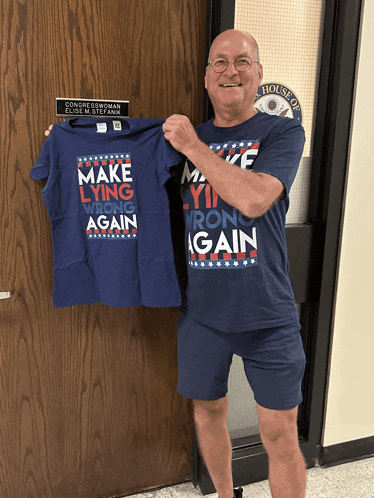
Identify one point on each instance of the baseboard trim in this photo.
(346, 452)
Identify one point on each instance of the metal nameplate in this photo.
(91, 107)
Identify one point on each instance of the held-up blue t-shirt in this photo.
(109, 212)
(238, 272)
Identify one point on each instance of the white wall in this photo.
(350, 399)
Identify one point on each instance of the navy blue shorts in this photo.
(274, 362)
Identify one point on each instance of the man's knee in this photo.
(279, 430)
(207, 412)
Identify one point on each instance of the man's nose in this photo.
(231, 69)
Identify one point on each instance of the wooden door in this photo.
(88, 401)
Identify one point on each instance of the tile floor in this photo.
(350, 480)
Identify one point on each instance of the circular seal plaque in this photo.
(278, 99)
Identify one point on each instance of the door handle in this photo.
(5, 295)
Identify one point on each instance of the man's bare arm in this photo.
(250, 192)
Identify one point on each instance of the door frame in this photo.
(313, 247)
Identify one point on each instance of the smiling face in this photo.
(232, 92)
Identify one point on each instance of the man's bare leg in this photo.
(287, 474)
(215, 443)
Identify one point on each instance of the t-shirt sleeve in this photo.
(167, 158)
(40, 170)
(280, 152)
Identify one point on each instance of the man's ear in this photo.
(205, 77)
(260, 73)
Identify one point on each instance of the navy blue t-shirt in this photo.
(238, 272)
(109, 212)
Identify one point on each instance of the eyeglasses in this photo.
(220, 64)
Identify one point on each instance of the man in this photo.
(239, 299)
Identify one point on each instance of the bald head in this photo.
(233, 91)
(248, 41)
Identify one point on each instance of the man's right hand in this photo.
(47, 132)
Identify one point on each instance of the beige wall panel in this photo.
(350, 401)
(288, 34)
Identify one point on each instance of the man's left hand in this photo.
(178, 130)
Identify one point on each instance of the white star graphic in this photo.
(85, 159)
(234, 146)
(227, 263)
(236, 263)
(196, 264)
(253, 261)
(225, 146)
(241, 144)
(245, 263)
(202, 265)
(211, 147)
(249, 144)
(218, 264)
(218, 147)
